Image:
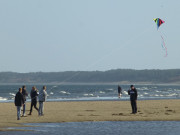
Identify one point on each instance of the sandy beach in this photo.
(148, 110)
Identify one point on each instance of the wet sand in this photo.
(148, 110)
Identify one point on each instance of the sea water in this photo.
(101, 128)
(94, 92)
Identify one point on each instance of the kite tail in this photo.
(164, 46)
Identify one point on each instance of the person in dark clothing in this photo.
(34, 94)
(19, 101)
(25, 94)
(133, 98)
(119, 91)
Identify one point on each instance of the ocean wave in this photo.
(156, 95)
(64, 92)
(176, 89)
(88, 94)
(125, 92)
(110, 89)
(169, 90)
(51, 93)
(102, 92)
(52, 87)
(173, 94)
(3, 99)
(12, 94)
(143, 88)
(157, 91)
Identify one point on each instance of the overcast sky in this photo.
(64, 35)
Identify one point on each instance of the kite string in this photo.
(107, 55)
(164, 45)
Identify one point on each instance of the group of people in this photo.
(133, 97)
(20, 100)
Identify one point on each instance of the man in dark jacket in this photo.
(25, 94)
(34, 94)
(119, 91)
(133, 98)
(19, 101)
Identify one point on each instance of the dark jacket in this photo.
(19, 100)
(119, 90)
(24, 93)
(133, 94)
(34, 94)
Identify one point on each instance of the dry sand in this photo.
(148, 110)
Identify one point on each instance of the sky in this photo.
(88, 35)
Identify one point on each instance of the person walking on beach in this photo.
(119, 91)
(34, 94)
(19, 101)
(42, 98)
(133, 98)
(25, 94)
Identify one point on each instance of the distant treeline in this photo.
(110, 76)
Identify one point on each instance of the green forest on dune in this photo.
(110, 76)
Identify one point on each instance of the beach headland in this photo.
(79, 111)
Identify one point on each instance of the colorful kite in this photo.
(158, 21)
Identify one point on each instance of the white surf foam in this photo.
(88, 94)
(51, 93)
(12, 94)
(3, 99)
(64, 92)
(125, 92)
(102, 92)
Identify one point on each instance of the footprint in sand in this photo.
(90, 110)
(120, 114)
(169, 110)
(173, 111)
(94, 115)
(167, 114)
(80, 115)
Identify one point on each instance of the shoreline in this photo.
(94, 99)
(81, 111)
